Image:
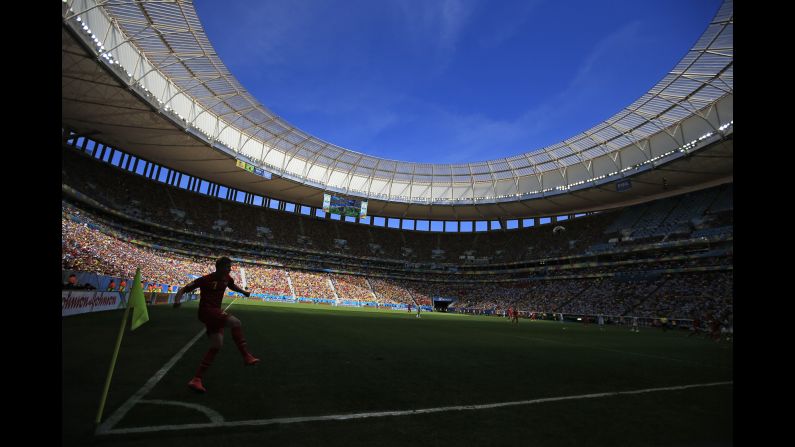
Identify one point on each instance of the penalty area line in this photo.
(343, 417)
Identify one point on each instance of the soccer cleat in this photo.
(250, 360)
(196, 385)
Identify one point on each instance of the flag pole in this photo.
(112, 366)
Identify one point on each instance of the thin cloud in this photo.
(453, 18)
(481, 138)
(538, 123)
(510, 21)
(627, 36)
(438, 24)
(420, 127)
(439, 135)
(265, 33)
(361, 112)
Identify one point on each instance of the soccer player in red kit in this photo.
(514, 315)
(212, 288)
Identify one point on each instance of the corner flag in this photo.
(137, 302)
(140, 316)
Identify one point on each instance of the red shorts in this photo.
(214, 319)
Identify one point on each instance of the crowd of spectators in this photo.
(680, 296)
(90, 246)
(180, 209)
(90, 250)
(691, 295)
(267, 280)
(388, 291)
(551, 296)
(610, 296)
(173, 257)
(309, 284)
(352, 287)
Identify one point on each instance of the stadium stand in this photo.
(112, 226)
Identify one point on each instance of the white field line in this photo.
(120, 412)
(211, 414)
(343, 417)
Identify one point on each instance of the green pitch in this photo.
(319, 361)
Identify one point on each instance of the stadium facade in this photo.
(165, 150)
(146, 78)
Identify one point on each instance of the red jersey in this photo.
(212, 290)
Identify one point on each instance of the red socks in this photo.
(206, 361)
(237, 335)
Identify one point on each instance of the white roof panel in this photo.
(170, 36)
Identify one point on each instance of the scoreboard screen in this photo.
(344, 206)
(623, 185)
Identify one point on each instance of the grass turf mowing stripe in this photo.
(342, 417)
(600, 348)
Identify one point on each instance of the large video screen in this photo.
(344, 206)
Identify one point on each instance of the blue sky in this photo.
(449, 81)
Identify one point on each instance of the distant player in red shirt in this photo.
(212, 288)
(513, 314)
(714, 327)
(695, 328)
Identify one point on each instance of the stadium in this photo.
(580, 292)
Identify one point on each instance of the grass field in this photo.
(321, 361)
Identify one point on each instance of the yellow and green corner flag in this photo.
(138, 302)
(140, 316)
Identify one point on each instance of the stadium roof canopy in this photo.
(144, 76)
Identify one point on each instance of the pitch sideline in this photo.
(342, 417)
